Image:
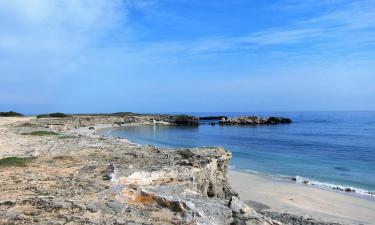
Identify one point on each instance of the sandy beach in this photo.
(307, 201)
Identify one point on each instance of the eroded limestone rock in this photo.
(245, 215)
(88, 179)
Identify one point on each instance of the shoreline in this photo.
(79, 152)
(320, 210)
(298, 180)
(302, 200)
(306, 182)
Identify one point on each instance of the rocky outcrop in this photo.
(69, 122)
(181, 120)
(212, 117)
(88, 179)
(290, 219)
(253, 120)
(243, 214)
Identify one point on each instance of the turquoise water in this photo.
(325, 147)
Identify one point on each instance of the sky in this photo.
(85, 56)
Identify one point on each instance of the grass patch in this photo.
(14, 161)
(40, 133)
(185, 154)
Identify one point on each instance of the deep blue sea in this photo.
(325, 147)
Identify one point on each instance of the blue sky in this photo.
(186, 55)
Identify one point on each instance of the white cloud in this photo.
(56, 24)
(45, 41)
(335, 24)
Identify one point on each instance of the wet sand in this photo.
(299, 199)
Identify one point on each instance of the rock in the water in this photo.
(253, 120)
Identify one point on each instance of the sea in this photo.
(333, 150)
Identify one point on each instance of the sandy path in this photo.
(303, 200)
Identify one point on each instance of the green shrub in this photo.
(14, 161)
(27, 124)
(53, 115)
(11, 114)
(185, 154)
(40, 133)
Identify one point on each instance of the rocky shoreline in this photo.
(79, 120)
(74, 176)
(71, 178)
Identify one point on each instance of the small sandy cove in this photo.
(299, 199)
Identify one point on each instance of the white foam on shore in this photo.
(322, 185)
(348, 189)
(232, 167)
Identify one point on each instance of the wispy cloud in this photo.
(46, 46)
(46, 23)
(41, 38)
(343, 23)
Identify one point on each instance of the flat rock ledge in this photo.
(254, 120)
(73, 178)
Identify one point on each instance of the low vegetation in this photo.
(40, 133)
(185, 154)
(27, 124)
(14, 161)
(11, 114)
(117, 114)
(53, 115)
(63, 115)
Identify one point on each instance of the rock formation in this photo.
(253, 120)
(73, 178)
(212, 117)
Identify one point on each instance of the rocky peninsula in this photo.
(58, 171)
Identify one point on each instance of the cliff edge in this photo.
(69, 178)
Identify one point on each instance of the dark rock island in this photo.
(254, 120)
